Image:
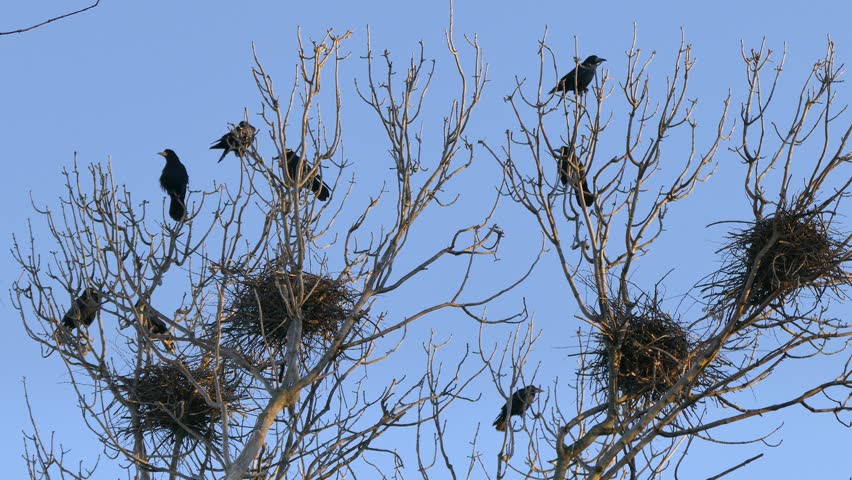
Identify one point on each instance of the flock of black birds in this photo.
(174, 180)
(571, 173)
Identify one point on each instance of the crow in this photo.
(572, 171)
(174, 181)
(517, 405)
(153, 321)
(294, 161)
(579, 83)
(237, 140)
(84, 309)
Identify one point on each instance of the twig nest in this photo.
(785, 252)
(643, 347)
(179, 402)
(263, 305)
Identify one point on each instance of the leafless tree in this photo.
(650, 383)
(260, 371)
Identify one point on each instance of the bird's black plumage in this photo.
(84, 309)
(237, 140)
(153, 321)
(174, 181)
(518, 405)
(573, 173)
(294, 161)
(579, 82)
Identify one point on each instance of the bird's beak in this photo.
(601, 60)
(162, 154)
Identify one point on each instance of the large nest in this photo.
(643, 347)
(262, 305)
(785, 252)
(174, 405)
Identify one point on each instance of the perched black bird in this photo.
(579, 83)
(237, 140)
(317, 186)
(572, 171)
(153, 321)
(84, 309)
(518, 405)
(174, 181)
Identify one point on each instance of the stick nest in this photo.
(173, 406)
(643, 347)
(786, 252)
(262, 306)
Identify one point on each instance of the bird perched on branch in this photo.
(237, 140)
(517, 405)
(294, 163)
(174, 181)
(84, 309)
(579, 82)
(153, 321)
(572, 171)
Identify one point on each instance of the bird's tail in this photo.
(71, 318)
(224, 152)
(588, 196)
(500, 423)
(563, 173)
(320, 189)
(177, 209)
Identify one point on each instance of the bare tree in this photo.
(260, 370)
(651, 384)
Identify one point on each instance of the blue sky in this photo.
(128, 79)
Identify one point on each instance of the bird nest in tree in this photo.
(785, 252)
(263, 305)
(175, 405)
(643, 347)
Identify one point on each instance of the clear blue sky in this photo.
(128, 79)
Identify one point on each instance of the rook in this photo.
(517, 405)
(174, 181)
(579, 82)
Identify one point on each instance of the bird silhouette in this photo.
(294, 162)
(83, 310)
(573, 173)
(153, 321)
(517, 406)
(237, 140)
(579, 82)
(174, 181)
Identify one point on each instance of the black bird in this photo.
(153, 321)
(237, 140)
(317, 186)
(572, 171)
(84, 309)
(579, 83)
(174, 181)
(518, 405)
